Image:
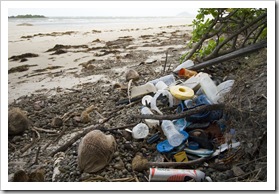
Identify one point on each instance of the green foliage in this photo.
(217, 31)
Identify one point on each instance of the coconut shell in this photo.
(95, 151)
(18, 121)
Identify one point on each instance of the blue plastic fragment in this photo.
(180, 124)
(165, 147)
(193, 145)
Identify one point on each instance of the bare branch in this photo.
(217, 48)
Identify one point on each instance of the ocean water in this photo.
(97, 21)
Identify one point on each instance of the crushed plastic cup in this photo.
(140, 131)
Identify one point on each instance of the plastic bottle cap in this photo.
(182, 92)
(193, 145)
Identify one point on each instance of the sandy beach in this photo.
(105, 48)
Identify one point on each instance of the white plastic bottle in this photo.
(168, 80)
(151, 123)
(174, 137)
(209, 88)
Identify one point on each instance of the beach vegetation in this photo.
(217, 32)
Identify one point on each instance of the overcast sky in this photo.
(106, 8)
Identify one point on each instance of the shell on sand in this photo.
(95, 151)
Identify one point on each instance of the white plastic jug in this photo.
(209, 88)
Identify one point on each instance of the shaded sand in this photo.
(87, 54)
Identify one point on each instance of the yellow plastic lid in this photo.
(182, 92)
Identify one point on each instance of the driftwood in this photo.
(183, 114)
(234, 54)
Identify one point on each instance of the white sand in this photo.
(19, 85)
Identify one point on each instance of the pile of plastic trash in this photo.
(199, 135)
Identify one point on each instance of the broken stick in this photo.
(176, 164)
(74, 139)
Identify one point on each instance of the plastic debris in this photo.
(201, 152)
(224, 147)
(140, 131)
(168, 80)
(166, 147)
(181, 157)
(186, 64)
(151, 123)
(146, 100)
(181, 92)
(175, 138)
(186, 73)
(175, 175)
(154, 100)
(160, 85)
(209, 88)
(180, 124)
(142, 90)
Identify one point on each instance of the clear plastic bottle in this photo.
(151, 123)
(174, 137)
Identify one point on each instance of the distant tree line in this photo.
(27, 16)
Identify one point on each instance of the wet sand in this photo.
(85, 54)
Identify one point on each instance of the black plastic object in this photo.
(153, 138)
(193, 126)
(202, 139)
(127, 101)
